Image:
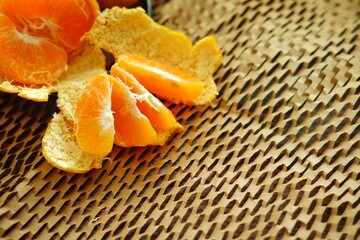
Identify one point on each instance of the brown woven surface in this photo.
(275, 156)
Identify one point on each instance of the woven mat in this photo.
(276, 155)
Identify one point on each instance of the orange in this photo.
(132, 128)
(37, 35)
(28, 59)
(159, 115)
(162, 80)
(94, 121)
(65, 21)
(111, 112)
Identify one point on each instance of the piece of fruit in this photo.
(61, 150)
(59, 144)
(160, 79)
(64, 21)
(132, 128)
(159, 115)
(113, 32)
(28, 59)
(94, 121)
(81, 71)
(35, 37)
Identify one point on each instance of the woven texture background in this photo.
(275, 156)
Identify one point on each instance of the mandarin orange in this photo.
(161, 118)
(160, 79)
(94, 121)
(65, 22)
(37, 35)
(26, 58)
(132, 128)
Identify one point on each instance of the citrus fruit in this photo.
(130, 31)
(64, 21)
(36, 37)
(28, 59)
(162, 80)
(82, 69)
(132, 128)
(94, 121)
(61, 150)
(159, 115)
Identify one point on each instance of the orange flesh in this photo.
(132, 128)
(161, 117)
(62, 21)
(28, 59)
(161, 80)
(36, 36)
(94, 124)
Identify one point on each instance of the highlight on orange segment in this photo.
(28, 59)
(65, 21)
(132, 128)
(162, 80)
(161, 118)
(94, 121)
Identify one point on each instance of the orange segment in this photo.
(161, 117)
(132, 128)
(161, 80)
(28, 59)
(63, 21)
(94, 121)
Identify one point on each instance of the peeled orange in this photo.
(28, 59)
(62, 21)
(161, 118)
(132, 128)
(162, 80)
(37, 35)
(94, 121)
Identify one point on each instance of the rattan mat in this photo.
(276, 156)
